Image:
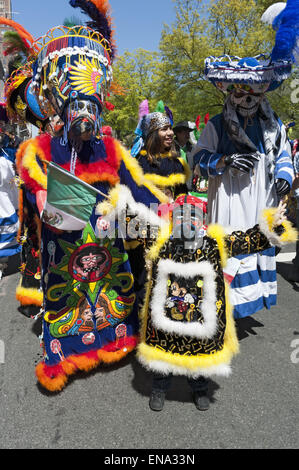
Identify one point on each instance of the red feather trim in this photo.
(207, 118)
(198, 122)
(44, 144)
(103, 170)
(54, 378)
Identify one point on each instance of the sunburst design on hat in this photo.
(87, 76)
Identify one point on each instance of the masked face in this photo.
(187, 223)
(82, 117)
(246, 104)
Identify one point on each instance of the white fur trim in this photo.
(273, 238)
(125, 199)
(208, 328)
(272, 12)
(165, 368)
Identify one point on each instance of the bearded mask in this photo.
(246, 104)
(82, 117)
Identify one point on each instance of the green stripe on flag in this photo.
(69, 194)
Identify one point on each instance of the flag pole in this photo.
(63, 170)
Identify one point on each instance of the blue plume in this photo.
(99, 21)
(169, 114)
(287, 25)
(139, 141)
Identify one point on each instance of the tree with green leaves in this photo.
(176, 73)
(137, 74)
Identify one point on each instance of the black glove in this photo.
(242, 162)
(282, 187)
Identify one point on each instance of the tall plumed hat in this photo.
(74, 63)
(150, 122)
(261, 73)
(21, 103)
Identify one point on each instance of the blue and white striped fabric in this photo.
(255, 286)
(236, 201)
(9, 221)
(284, 168)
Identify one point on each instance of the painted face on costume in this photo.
(246, 104)
(166, 135)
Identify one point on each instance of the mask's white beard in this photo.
(246, 106)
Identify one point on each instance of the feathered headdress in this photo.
(149, 122)
(161, 108)
(21, 103)
(18, 40)
(99, 12)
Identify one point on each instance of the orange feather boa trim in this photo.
(33, 172)
(54, 378)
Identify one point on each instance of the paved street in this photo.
(257, 407)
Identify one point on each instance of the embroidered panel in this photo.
(183, 344)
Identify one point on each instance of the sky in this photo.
(138, 23)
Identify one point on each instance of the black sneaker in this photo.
(156, 401)
(201, 400)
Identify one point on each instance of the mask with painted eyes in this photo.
(82, 117)
(246, 104)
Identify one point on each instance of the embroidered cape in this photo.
(90, 313)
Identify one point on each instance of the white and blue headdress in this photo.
(254, 74)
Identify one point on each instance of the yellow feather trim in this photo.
(290, 235)
(187, 169)
(192, 363)
(165, 181)
(29, 296)
(106, 207)
(137, 174)
(30, 163)
(217, 233)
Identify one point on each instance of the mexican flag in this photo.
(69, 200)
